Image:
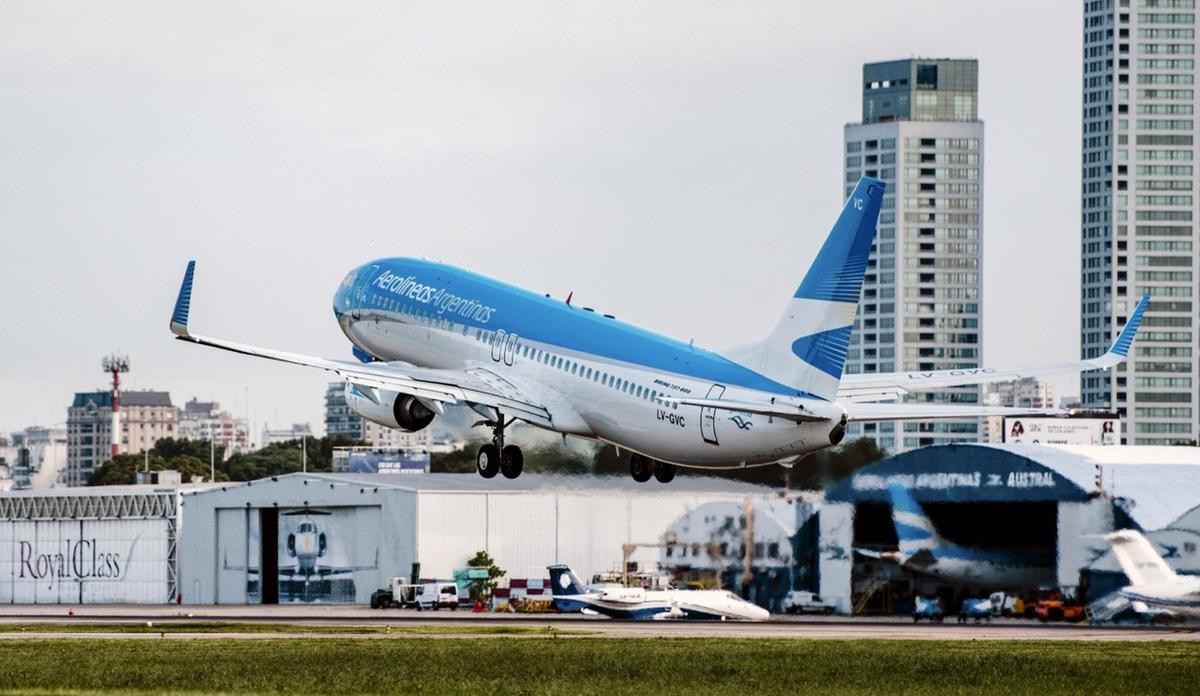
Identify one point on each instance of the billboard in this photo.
(1062, 431)
(396, 462)
(124, 561)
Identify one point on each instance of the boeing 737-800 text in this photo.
(427, 335)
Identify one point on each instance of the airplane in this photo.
(922, 550)
(1152, 582)
(428, 335)
(618, 602)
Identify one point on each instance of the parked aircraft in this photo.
(922, 550)
(428, 335)
(620, 602)
(1152, 582)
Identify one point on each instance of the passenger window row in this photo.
(579, 370)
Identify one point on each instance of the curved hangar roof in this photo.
(1158, 483)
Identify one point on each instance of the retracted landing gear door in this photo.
(708, 416)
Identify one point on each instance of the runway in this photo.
(307, 621)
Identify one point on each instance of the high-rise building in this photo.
(1139, 209)
(340, 421)
(204, 420)
(296, 432)
(920, 309)
(146, 417)
(40, 457)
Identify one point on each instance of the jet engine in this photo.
(400, 411)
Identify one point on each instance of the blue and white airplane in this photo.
(924, 551)
(428, 335)
(1154, 585)
(619, 602)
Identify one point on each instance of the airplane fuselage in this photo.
(634, 603)
(982, 569)
(601, 378)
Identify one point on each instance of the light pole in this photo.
(304, 453)
(212, 459)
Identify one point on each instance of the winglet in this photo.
(183, 303)
(1125, 338)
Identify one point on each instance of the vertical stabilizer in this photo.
(914, 529)
(807, 349)
(1138, 558)
(564, 582)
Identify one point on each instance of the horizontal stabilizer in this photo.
(881, 386)
(874, 411)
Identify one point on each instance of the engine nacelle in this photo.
(400, 411)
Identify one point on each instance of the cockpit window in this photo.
(307, 528)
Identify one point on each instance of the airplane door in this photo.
(510, 349)
(708, 416)
(360, 289)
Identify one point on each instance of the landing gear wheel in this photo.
(511, 461)
(487, 462)
(664, 472)
(640, 468)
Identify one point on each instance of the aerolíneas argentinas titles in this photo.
(427, 335)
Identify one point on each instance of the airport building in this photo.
(920, 308)
(1047, 507)
(102, 545)
(1139, 215)
(338, 537)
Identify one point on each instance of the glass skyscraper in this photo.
(920, 307)
(1139, 212)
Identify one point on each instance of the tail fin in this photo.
(914, 529)
(807, 349)
(563, 581)
(1138, 558)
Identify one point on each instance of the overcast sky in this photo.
(677, 164)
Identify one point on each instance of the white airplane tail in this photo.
(1138, 558)
(807, 349)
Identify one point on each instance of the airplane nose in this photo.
(760, 614)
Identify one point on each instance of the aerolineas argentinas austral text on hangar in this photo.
(427, 335)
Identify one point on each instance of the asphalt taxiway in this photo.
(305, 619)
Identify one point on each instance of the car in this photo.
(804, 602)
(928, 608)
(978, 609)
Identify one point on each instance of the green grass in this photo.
(292, 628)
(747, 667)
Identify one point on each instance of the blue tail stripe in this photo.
(184, 302)
(825, 351)
(837, 273)
(903, 501)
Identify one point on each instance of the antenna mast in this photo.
(115, 365)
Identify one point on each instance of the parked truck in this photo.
(421, 596)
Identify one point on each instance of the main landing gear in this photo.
(497, 456)
(642, 468)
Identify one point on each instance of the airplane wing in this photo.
(875, 387)
(434, 387)
(786, 409)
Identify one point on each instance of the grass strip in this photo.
(597, 666)
(251, 627)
